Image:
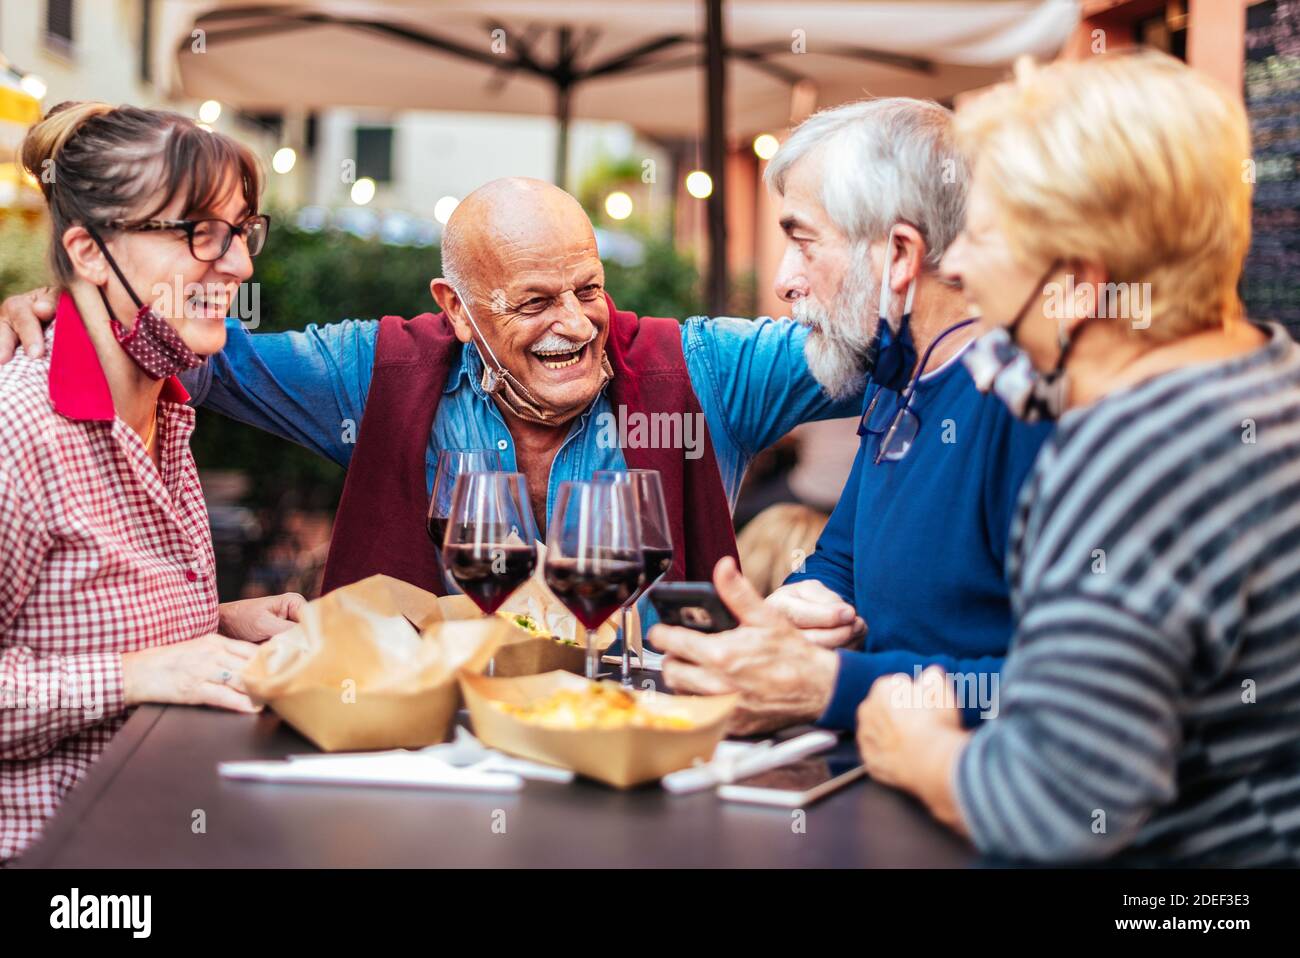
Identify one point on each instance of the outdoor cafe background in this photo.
(359, 208)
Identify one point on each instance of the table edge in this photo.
(82, 799)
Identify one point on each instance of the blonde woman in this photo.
(107, 590)
(1150, 704)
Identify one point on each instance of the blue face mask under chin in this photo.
(894, 350)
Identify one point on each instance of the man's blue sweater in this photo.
(918, 546)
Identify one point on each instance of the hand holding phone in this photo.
(692, 605)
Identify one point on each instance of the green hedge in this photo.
(22, 255)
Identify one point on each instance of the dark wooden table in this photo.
(142, 803)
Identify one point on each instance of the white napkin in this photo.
(381, 768)
(464, 764)
(466, 751)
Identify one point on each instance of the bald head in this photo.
(491, 225)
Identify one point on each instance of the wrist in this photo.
(936, 769)
(824, 669)
(223, 618)
(131, 692)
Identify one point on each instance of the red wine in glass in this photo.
(593, 554)
(437, 529)
(656, 540)
(658, 561)
(595, 589)
(451, 463)
(489, 547)
(489, 572)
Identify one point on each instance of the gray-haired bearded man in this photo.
(871, 195)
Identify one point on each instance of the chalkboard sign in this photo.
(1271, 284)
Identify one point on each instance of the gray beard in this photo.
(839, 340)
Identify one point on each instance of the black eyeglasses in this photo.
(890, 416)
(208, 238)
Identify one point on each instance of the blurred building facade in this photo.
(108, 50)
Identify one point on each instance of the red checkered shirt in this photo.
(100, 554)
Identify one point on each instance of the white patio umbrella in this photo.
(667, 67)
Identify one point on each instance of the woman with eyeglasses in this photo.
(1150, 703)
(108, 596)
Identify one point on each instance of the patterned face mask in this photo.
(999, 365)
(152, 343)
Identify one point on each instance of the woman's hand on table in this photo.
(822, 616)
(202, 671)
(910, 735)
(256, 620)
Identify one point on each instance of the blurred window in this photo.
(375, 153)
(58, 24)
(146, 41)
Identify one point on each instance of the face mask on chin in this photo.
(998, 364)
(503, 386)
(152, 343)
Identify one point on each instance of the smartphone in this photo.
(795, 785)
(694, 605)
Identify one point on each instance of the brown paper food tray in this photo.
(355, 674)
(618, 757)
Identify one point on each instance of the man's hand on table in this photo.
(822, 616)
(22, 319)
(783, 679)
(256, 620)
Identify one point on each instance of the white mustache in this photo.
(555, 343)
(805, 313)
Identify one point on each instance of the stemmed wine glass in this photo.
(451, 463)
(593, 554)
(490, 546)
(656, 539)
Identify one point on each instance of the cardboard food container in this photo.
(522, 653)
(621, 757)
(372, 665)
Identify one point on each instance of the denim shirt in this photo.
(310, 387)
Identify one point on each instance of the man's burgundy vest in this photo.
(380, 525)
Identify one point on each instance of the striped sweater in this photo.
(1150, 705)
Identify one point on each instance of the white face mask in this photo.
(506, 388)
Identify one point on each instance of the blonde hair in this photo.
(776, 541)
(1131, 160)
(96, 162)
